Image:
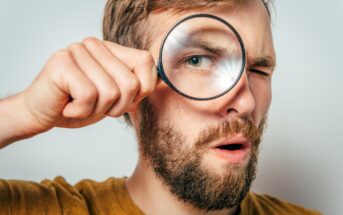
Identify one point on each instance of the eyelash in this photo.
(259, 72)
(185, 59)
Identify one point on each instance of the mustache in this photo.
(243, 125)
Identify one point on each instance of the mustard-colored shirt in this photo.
(104, 198)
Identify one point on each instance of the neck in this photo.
(153, 197)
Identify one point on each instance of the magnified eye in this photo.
(199, 62)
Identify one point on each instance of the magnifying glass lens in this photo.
(202, 57)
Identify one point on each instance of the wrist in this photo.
(15, 121)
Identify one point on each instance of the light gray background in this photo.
(301, 158)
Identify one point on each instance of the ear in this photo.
(134, 118)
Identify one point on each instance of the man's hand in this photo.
(79, 86)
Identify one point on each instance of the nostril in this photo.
(231, 110)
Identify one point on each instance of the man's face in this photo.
(180, 137)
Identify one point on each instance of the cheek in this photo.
(176, 111)
(261, 90)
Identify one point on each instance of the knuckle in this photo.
(80, 114)
(114, 113)
(111, 95)
(146, 57)
(90, 41)
(132, 85)
(59, 63)
(61, 56)
(107, 43)
(75, 47)
(89, 95)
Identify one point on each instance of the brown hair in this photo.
(123, 18)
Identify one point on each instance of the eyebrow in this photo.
(265, 61)
(198, 43)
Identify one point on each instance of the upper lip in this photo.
(233, 140)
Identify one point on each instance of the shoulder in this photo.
(47, 197)
(103, 189)
(107, 196)
(264, 204)
(57, 196)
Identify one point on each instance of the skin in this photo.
(79, 86)
(91, 80)
(251, 97)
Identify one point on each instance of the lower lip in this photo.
(236, 156)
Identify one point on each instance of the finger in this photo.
(126, 81)
(147, 75)
(78, 123)
(141, 63)
(75, 84)
(108, 92)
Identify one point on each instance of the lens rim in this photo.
(163, 75)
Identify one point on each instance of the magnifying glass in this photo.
(202, 57)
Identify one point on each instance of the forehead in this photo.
(250, 19)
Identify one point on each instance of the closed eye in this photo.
(259, 72)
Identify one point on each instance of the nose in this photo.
(239, 101)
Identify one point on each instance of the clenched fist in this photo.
(84, 83)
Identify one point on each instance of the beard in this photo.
(180, 167)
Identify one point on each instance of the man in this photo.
(195, 157)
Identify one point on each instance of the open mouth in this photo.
(231, 147)
(235, 150)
